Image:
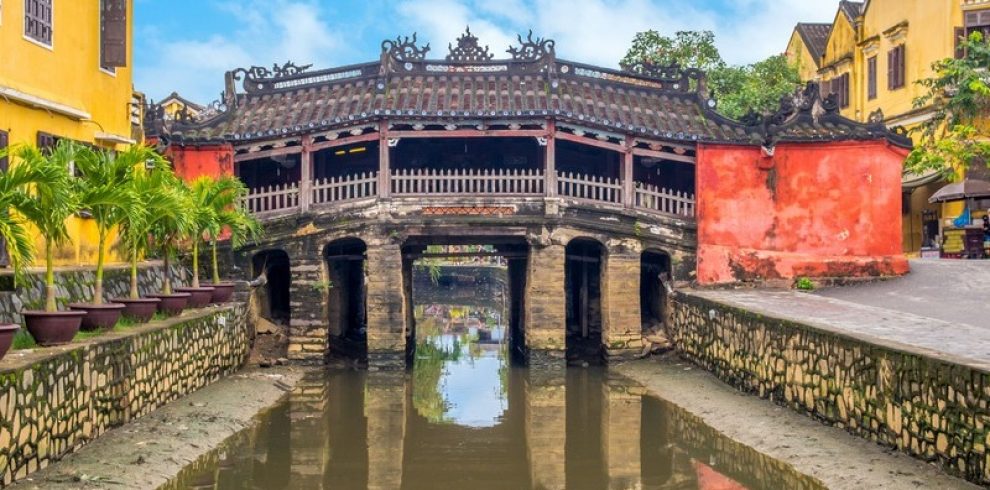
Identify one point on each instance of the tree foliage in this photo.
(957, 135)
(738, 89)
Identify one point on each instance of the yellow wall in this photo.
(69, 74)
(800, 56)
(841, 57)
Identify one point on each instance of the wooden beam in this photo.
(582, 258)
(471, 133)
(384, 166)
(274, 152)
(306, 175)
(451, 255)
(666, 155)
(628, 181)
(581, 140)
(550, 172)
(348, 140)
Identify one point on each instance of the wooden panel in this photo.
(113, 33)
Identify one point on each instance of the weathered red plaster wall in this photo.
(811, 210)
(195, 161)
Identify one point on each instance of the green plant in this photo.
(104, 188)
(323, 286)
(162, 201)
(218, 211)
(50, 200)
(23, 340)
(15, 184)
(804, 284)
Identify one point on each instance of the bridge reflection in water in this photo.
(464, 417)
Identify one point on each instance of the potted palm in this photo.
(14, 184)
(203, 192)
(154, 181)
(49, 203)
(166, 231)
(104, 189)
(222, 196)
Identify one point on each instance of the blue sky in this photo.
(187, 45)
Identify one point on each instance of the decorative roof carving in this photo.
(468, 49)
(532, 49)
(405, 49)
(259, 72)
(876, 117)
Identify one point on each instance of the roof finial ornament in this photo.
(468, 49)
(877, 118)
(532, 49)
(405, 49)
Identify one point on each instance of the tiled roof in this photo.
(815, 37)
(852, 10)
(665, 103)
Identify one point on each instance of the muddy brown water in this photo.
(464, 417)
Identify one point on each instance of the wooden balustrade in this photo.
(664, 201)
(467, 182)
(273, 199)
(285, 198)
(345, 188)
(589, 188)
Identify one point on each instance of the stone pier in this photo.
(544, 311)
(307, 323)
(621, 323)
(385, 410)
(308, 434)
(622, 410)
(387, 303)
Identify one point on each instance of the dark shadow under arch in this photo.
(582, 289)
(347, 311)
(654, 279)
(274, 264)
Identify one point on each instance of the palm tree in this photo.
(169, 228)
(50, 201)
(105, 190)
(160, 197)
(14, 186)
(218, 205)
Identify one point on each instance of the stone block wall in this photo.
(545, 314)
(54, 400)
(622, 329)
(75, 285)
(929, 408)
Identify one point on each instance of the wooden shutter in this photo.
(901, 66)
(113, 33)
(38, 20)
(4, 142)
(46, 141)
(960, 33)
(896, 68)
(871, 78)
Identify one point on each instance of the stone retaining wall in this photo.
(75, 285)
(931, 409)
(57, 399)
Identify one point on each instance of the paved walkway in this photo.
(957, 291)
(924, 335)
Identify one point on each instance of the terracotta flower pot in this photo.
(222, 292)
(53, 327)
(7, 333)
(200, 296)
(171, 304)
(141, 309)
(98, 317)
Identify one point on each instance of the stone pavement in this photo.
(956, 291)
(957, 343)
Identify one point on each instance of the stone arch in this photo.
(583, 267)
(274, 298)
(654, 287)
(346, 296)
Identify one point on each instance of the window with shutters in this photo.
(4, 165)
(113, 34)
(840, 87)
(896, 68)
(38, 21)
(871, 78)
(978, 21)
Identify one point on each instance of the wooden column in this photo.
(384, 167)
(628, 182)
(306, 174)
(550, 175)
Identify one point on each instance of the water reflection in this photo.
(463, 417)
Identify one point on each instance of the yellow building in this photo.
(66, 72)
(875, 52)
(175, 104)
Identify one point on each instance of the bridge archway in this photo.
(582, 292)
(346, 297)
(274, 297)
(654, 281)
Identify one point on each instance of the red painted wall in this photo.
(194, 161)
(811, 210)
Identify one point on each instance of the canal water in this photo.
(464, 417)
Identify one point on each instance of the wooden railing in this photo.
(345, 188)
(286, 198)
(272, 199)
(467, 182)
(664, 201)
(589, 188)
